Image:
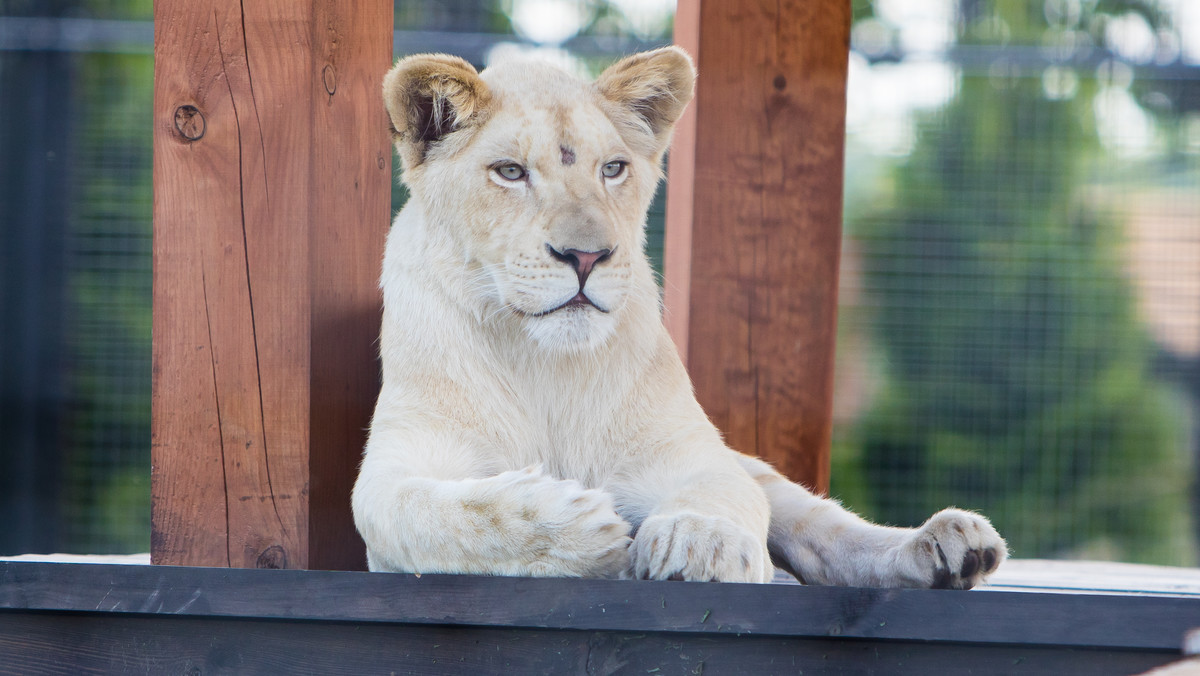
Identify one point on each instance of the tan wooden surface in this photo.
(1095, 577)
(271, 198)
(754, 222)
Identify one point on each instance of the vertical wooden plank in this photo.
(350, 180)
(197, 176)
(759, 280)
(681, 195)
(247, 280)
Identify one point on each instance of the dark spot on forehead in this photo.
(568, 156)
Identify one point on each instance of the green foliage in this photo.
(107, 433)
(131, 10)
(1016, 372)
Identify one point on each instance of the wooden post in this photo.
(754, 222)
(272, 170)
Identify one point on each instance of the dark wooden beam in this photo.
(272, 172)
(754, 222)
(1111, 621)
(84, 617)
(100, 643)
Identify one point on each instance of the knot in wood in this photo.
(273, 557)
(189, 122)
(329, 77)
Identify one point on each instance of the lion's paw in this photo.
(954, 549)
(689, 546)
(568, 530)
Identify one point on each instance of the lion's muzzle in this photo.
(581, 261)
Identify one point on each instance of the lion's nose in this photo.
(581, 261)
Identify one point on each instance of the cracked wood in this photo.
(268, 231)
(754, 223)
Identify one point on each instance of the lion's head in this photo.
(540, 181)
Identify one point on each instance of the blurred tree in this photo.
(107, 414)
(1017, 376)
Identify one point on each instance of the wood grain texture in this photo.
(268, 230)
(99, 643)
(1077, 621)
(166, 619)
(681, 197)
(758, 282)
(350, 175)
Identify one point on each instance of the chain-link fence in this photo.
(1020, 314)
(75, 285)
(76, 78)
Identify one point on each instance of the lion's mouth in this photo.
(580, 300)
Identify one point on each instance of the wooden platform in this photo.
(1095, 577)
(74, 617)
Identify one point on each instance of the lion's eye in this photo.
(613, 169)
(511, 172)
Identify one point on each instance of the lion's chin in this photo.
(575, 328)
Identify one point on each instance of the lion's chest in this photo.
(503, 396)
(574, 430)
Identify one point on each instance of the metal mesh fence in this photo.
(79, 450)
(1020, 316)
(106, 482)
(75, 245)
(1020, 281)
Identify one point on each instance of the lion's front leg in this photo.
(683, 545)
(521, 523)
(706, 524)
(822, 543)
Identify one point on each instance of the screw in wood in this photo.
(189, 122)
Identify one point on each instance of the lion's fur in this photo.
(513, 439)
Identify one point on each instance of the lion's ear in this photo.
(648, 93)
(429, 96)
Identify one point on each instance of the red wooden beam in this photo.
(754, 222)
(272, 169)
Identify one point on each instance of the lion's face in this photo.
(554, 205)
(541, 182)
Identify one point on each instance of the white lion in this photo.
(535, 418)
